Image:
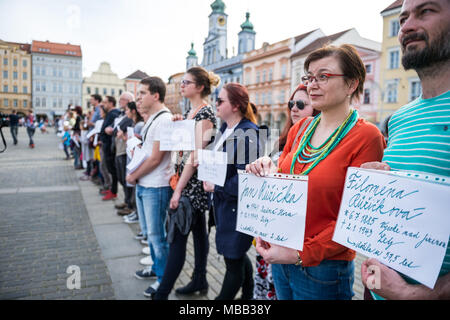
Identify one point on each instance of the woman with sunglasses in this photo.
(333, 141)
(298, 107)
(239, 139)
(196, 86)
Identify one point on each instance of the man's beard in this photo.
(435, 52)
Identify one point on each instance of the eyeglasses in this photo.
(320, 79)
(219, 101)
(186, 82)
(299, 103)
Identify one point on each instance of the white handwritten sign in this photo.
(273, 208)
(212, 166)
(402, 222)
(178, 136)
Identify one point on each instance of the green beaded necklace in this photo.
(308, 154)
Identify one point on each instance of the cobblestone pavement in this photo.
(44, 226)
(50, 220)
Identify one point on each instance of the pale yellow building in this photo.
(15, 77)
(174, 99)
(103, 82)
(398, 86)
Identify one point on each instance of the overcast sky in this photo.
(155, 35)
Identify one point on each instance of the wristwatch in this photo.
(299, 259)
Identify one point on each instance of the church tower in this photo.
(246, 36)
(192, 59)
(215, 45)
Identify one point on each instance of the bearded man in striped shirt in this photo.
(419, 132)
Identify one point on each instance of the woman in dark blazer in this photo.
(239, 138)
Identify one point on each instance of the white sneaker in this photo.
(144, 242)
(146, 250)
(147, 261)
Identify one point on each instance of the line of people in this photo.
(324, 136)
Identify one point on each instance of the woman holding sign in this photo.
(333, 141)
(196, 86)
(239, 139)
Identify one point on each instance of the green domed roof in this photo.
(192, 52)
(218, 6)
(247, 25)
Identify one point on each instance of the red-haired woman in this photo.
(239, 139)
(298, 108)
(333, 141)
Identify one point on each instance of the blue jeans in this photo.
(330, 280)
(152, 204)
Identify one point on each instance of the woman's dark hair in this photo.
(238, 97)
(349, 61)
(79, 110)
(132, 106)
(205, 79)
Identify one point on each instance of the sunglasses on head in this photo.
(299, 103)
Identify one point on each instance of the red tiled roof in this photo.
(395, 4)
(56, 48)
(23, 46)
(138, 75)
(303, 36)
(319, 43)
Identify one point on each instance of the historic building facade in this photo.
(15, 77)
(399, 87)
(216, 56)
(104, 82)
(174, 99)
(369, 52)
(57, 77)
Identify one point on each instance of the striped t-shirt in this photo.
(419, 140)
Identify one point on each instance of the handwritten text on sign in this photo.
(212, 166)
(273, 208)
(401, 222)
(177, 136)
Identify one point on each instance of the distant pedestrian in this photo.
(14, 125)
(31, 128)
(66, 142)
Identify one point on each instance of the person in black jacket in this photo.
(14, 125)
(106, 139)
(239, 138)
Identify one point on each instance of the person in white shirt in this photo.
(152, 178)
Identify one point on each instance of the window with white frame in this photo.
(394, 58)
(366, 96)
(282, 95)
(415, 89)
(394, 28)
(283, 71)
(391, 92)
(368, 68)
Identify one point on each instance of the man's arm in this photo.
(394, 287)
(148, 165)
